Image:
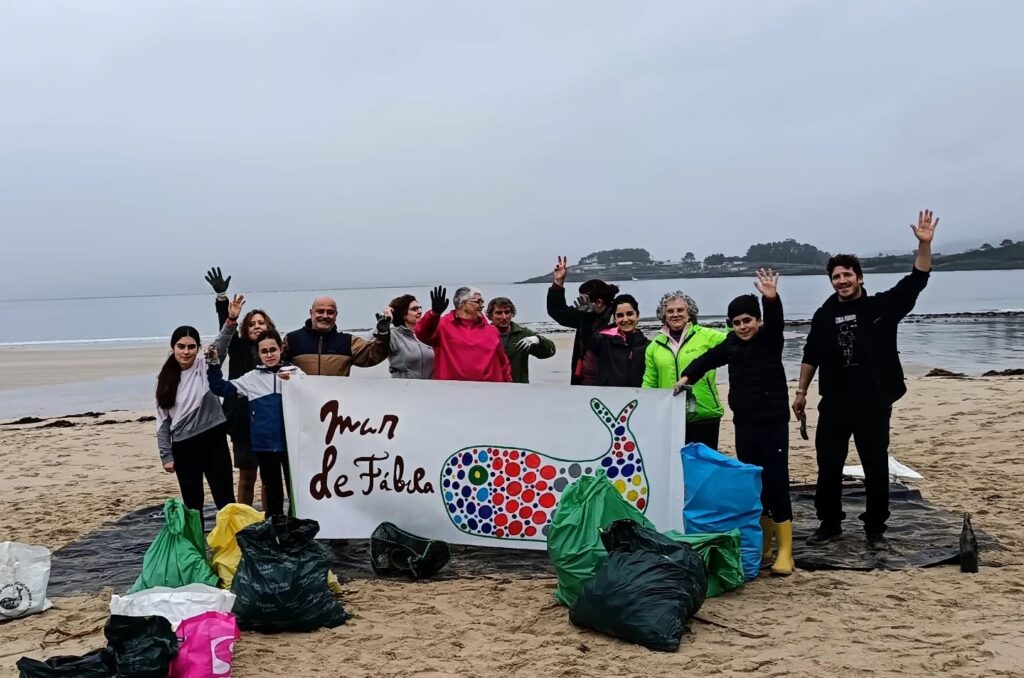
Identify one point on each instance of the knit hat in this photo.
(746, 303)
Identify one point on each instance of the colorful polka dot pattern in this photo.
(507, 493)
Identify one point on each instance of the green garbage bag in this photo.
(722, 557)
(574, 538)
(178, 554)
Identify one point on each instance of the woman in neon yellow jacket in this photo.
(680, 341)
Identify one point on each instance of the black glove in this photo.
(438, 300)
(584, 304)
(383, 324)
(217, 281)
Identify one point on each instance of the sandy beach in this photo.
(963, 435)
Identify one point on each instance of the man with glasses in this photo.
(321, 348)
(466, 346)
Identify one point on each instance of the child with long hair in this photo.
(191, 433)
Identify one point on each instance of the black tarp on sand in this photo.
(112, 556)
(920, 535)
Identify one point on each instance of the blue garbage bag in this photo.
(723, 494)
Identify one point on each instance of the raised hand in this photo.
(384, 320)
(767, 283)
(235, 307)
(925, 229)
(583, 304)
(217, 281)
(561, 270)
(211, 355)
(438, 300)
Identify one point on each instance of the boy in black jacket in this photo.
(759, 399)
(853, 342)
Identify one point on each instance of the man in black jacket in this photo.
(853, 341)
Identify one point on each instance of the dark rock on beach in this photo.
(24, 420)
(1017, 372)
(59, 423)
(939, 372)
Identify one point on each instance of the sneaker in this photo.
(824, 534)
(877, 541)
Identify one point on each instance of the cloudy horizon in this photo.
(324, 145)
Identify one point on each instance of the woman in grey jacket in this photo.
(410, 358)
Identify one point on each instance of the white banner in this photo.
(474, 463)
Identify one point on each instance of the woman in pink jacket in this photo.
(467, 347)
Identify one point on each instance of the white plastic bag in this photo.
(173, 604)
(24, 575)
(897, 471)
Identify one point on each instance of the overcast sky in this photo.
(342, 143)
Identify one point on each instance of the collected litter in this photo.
(207, 646)
(574, 540)
(968, 546)
(24, 576)
(723, 494)
(173, 604)
(646, 590)
(177, 556)
(393, 551)
(137, 647)
(281, 581)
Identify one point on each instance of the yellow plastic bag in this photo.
(226, 553)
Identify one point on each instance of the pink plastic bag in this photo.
(207, 646)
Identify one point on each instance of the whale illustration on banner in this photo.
(511, 493)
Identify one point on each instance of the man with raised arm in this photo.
(852, 341)
(320, 348)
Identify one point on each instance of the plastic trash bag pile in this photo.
(620, 576)
(175, 621)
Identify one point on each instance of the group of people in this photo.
(464, 344)
(852, 343)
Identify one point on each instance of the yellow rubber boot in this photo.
(767, 533)
(784, 564)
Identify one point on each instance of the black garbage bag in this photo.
(281, 581)
(647, 589)
(393, 551)
(142, 647)
(96, 664)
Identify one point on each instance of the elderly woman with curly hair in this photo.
(681, 340)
